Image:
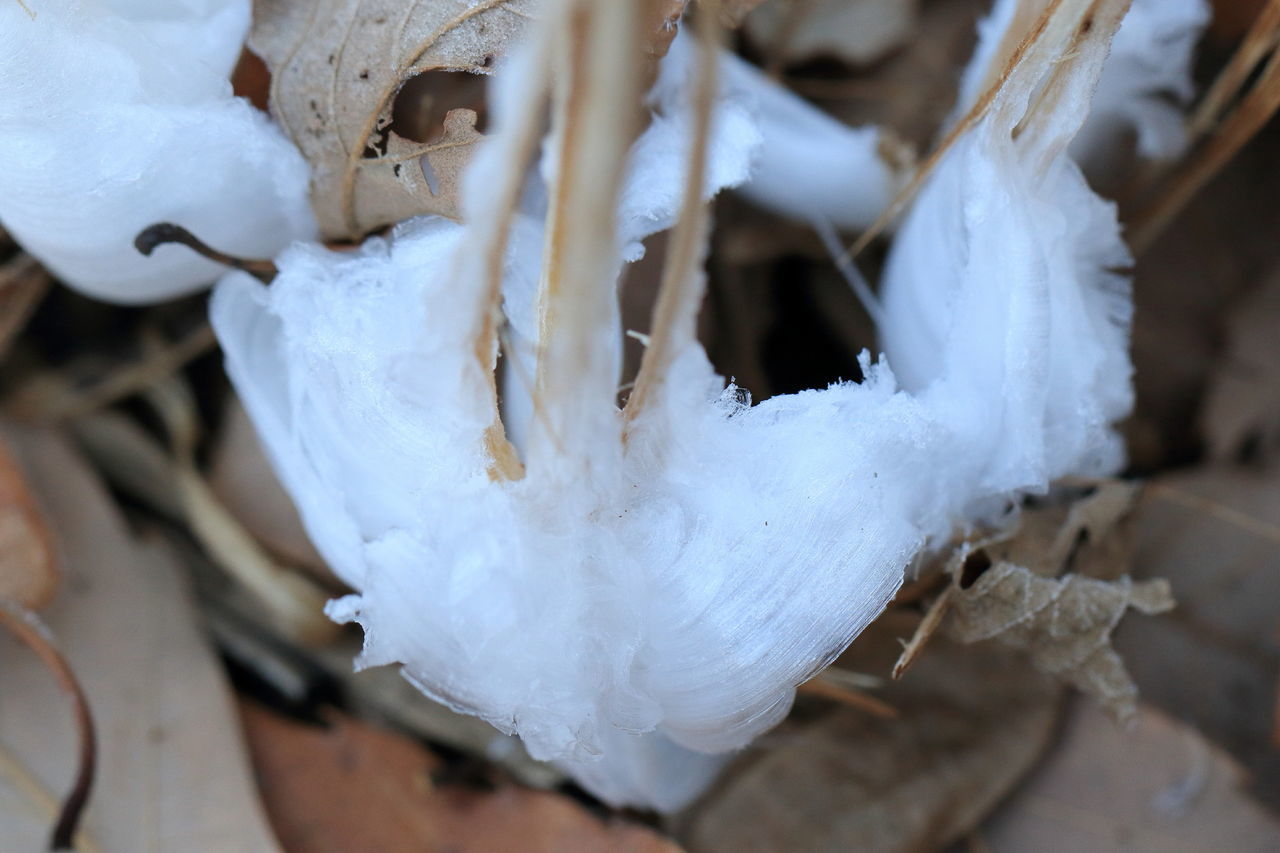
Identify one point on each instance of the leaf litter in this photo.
(1055, 587)
(336, 67)
(1052, 592)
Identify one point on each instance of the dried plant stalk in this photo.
(1262, 38)
(1234, 132)
(683, 281)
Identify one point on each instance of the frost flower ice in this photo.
(637, 589)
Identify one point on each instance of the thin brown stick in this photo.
(1260, 41)
(154, 236)
(1233, 134)
(681, 291)
(595, 122)
(21, 777)
(493, 228)
(23, 284)
(924, 632)
(823, 687)
(26, 626)
(296, 603)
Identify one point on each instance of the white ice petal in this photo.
(811, 165)
(661, 597)
(117, 115)
(1004, 296)
(646, 771)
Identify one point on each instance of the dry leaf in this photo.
(1215, 534)
(172, 772)
(28, 564)
(1159, 786)
(354, 787)
(857, 32)
(1064, 624)
(337, 67)
(1007, 588)
(853, 781)
(1082, 528)
(1242, 407)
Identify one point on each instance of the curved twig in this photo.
(166, 232)
(28, 628)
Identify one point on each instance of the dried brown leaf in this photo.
(1215, 534)
(1079, 527)
(336, 68)
(1157, 786)
(1242, 406)
(1064, 624)
(172, 767)
(1082, 529)
(1011, 588)
(352, 786)
(28, 565)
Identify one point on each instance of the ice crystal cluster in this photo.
(636, 591)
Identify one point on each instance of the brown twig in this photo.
(821, 685)
(166, 232)
(26, 626)
(1260, 41)
(682, 288)
(1232, 134)
(924, 632)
